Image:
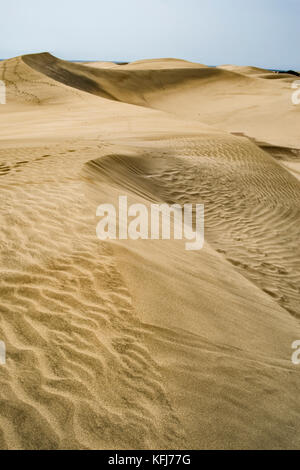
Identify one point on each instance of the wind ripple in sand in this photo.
(78, 372)
(253, 221)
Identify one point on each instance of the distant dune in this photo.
(245, 70)
(99, 65)
(141, 344)
(240, 102)
(158, 64)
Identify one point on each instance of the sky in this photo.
(264, 33)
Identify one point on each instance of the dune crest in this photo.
(234, 102)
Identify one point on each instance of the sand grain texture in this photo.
(142, 344)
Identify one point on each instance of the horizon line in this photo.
(124, 62)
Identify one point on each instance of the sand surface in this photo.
(142, 344)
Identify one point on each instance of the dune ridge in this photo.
(226, 98)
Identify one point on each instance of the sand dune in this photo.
(100, 64)
(157, 64)
(142, 344)
(234, 102)
(150, 80)
(258, 72)
(243, 69)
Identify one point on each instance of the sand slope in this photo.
(224, 97)
(142, 344)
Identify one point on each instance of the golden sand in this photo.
(142, 344)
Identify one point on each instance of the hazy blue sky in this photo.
(257, 32)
